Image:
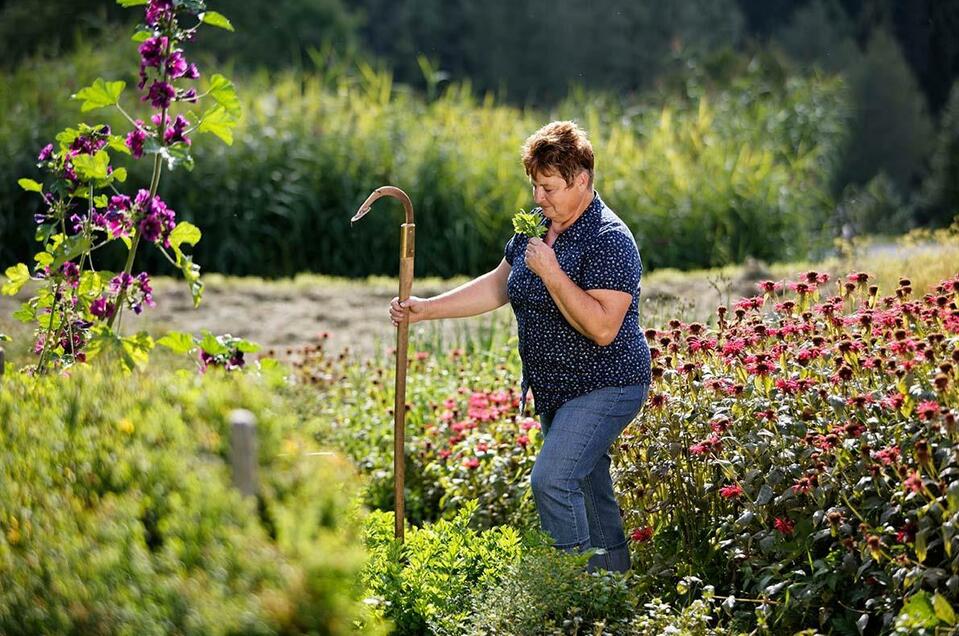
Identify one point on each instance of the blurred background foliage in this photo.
(724, 129)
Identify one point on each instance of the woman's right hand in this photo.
(413, 308)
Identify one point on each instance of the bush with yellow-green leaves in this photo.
(117, 514)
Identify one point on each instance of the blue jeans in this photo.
(570, 480)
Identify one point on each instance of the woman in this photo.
(575, 294)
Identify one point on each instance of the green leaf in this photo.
(184, 232)
(223, 91)
(91, 285)
(100, 201)
(211, 345)
(43, 232)
(5, 338)
(218, 122)
(141, 36)
(216, 19)
(177, 341)
(917, 613)
(43, 258)
(17, 277)
(921, 545)
(131, 3)
(100, 94)
(71, 248)
(30, 185)
(136, 350)
(118, 144)
(119, 174)
(944, 611)
(26, 313)
(247, 347)
(92, 167)
(177, 155)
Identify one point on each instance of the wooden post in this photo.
(243, 451)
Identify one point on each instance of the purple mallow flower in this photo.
(71, 273)
(160, 95)
(156, 219)
(158, 11)
(45, 153)
(116, 220)
(175, 132)
(176, 64)
(102, 308)
(152, 51)
(135, 139)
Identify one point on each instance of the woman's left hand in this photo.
(540, 258)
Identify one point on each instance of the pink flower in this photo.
(472, 463)
(927, 410)
(888, 455)
(913, 482)
(522, 440)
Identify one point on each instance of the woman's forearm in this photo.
(585, 314)
(480, 295)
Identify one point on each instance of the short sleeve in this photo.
(612, 262)
(509, 252)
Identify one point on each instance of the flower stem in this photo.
(46, 341)
(154, 185)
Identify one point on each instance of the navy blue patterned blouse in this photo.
(597, 252)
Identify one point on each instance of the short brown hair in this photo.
(558, 147)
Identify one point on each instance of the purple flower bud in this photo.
(192, 72)
(71, 273)
(160, 95)
(45, 153)
(188, 95)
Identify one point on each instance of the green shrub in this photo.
(425, 584)
(549, 592)
(117, 515)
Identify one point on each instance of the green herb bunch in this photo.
(529, 223)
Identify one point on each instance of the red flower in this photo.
(641, 535)
(472, 463)
(785, 525)
(659, 400)
(522, 440)
(731, 492)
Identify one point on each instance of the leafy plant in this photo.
(77, 306)
(529, 224)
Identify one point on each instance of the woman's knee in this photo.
(544, 480)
